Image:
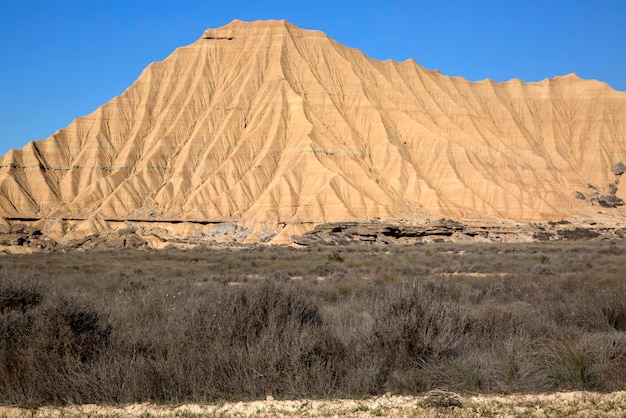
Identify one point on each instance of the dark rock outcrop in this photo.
(608, 201)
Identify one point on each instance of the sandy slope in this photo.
(582, 404)
(273, 126)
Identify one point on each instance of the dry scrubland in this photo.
(235, 324)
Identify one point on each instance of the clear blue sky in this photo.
(61, 59)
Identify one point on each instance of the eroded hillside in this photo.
(278, 129)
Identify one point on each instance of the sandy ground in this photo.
(435, 403)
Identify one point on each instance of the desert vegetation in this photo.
(230, 323)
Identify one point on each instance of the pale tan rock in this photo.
(95, 225)
(272, 126)
(15, 249)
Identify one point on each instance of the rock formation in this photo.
(270, 130)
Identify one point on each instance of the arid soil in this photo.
(434, 403)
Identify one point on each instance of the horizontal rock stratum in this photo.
(278, 129)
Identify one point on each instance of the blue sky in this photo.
(61, 59)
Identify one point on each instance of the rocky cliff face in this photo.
(279, 129)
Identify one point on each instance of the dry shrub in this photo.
(48, 344)
(236, 342)
(281, 343)
(413, 329)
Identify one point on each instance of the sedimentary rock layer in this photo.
(272, 126)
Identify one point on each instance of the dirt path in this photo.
(435, 403)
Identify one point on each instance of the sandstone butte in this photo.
(275, 128)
